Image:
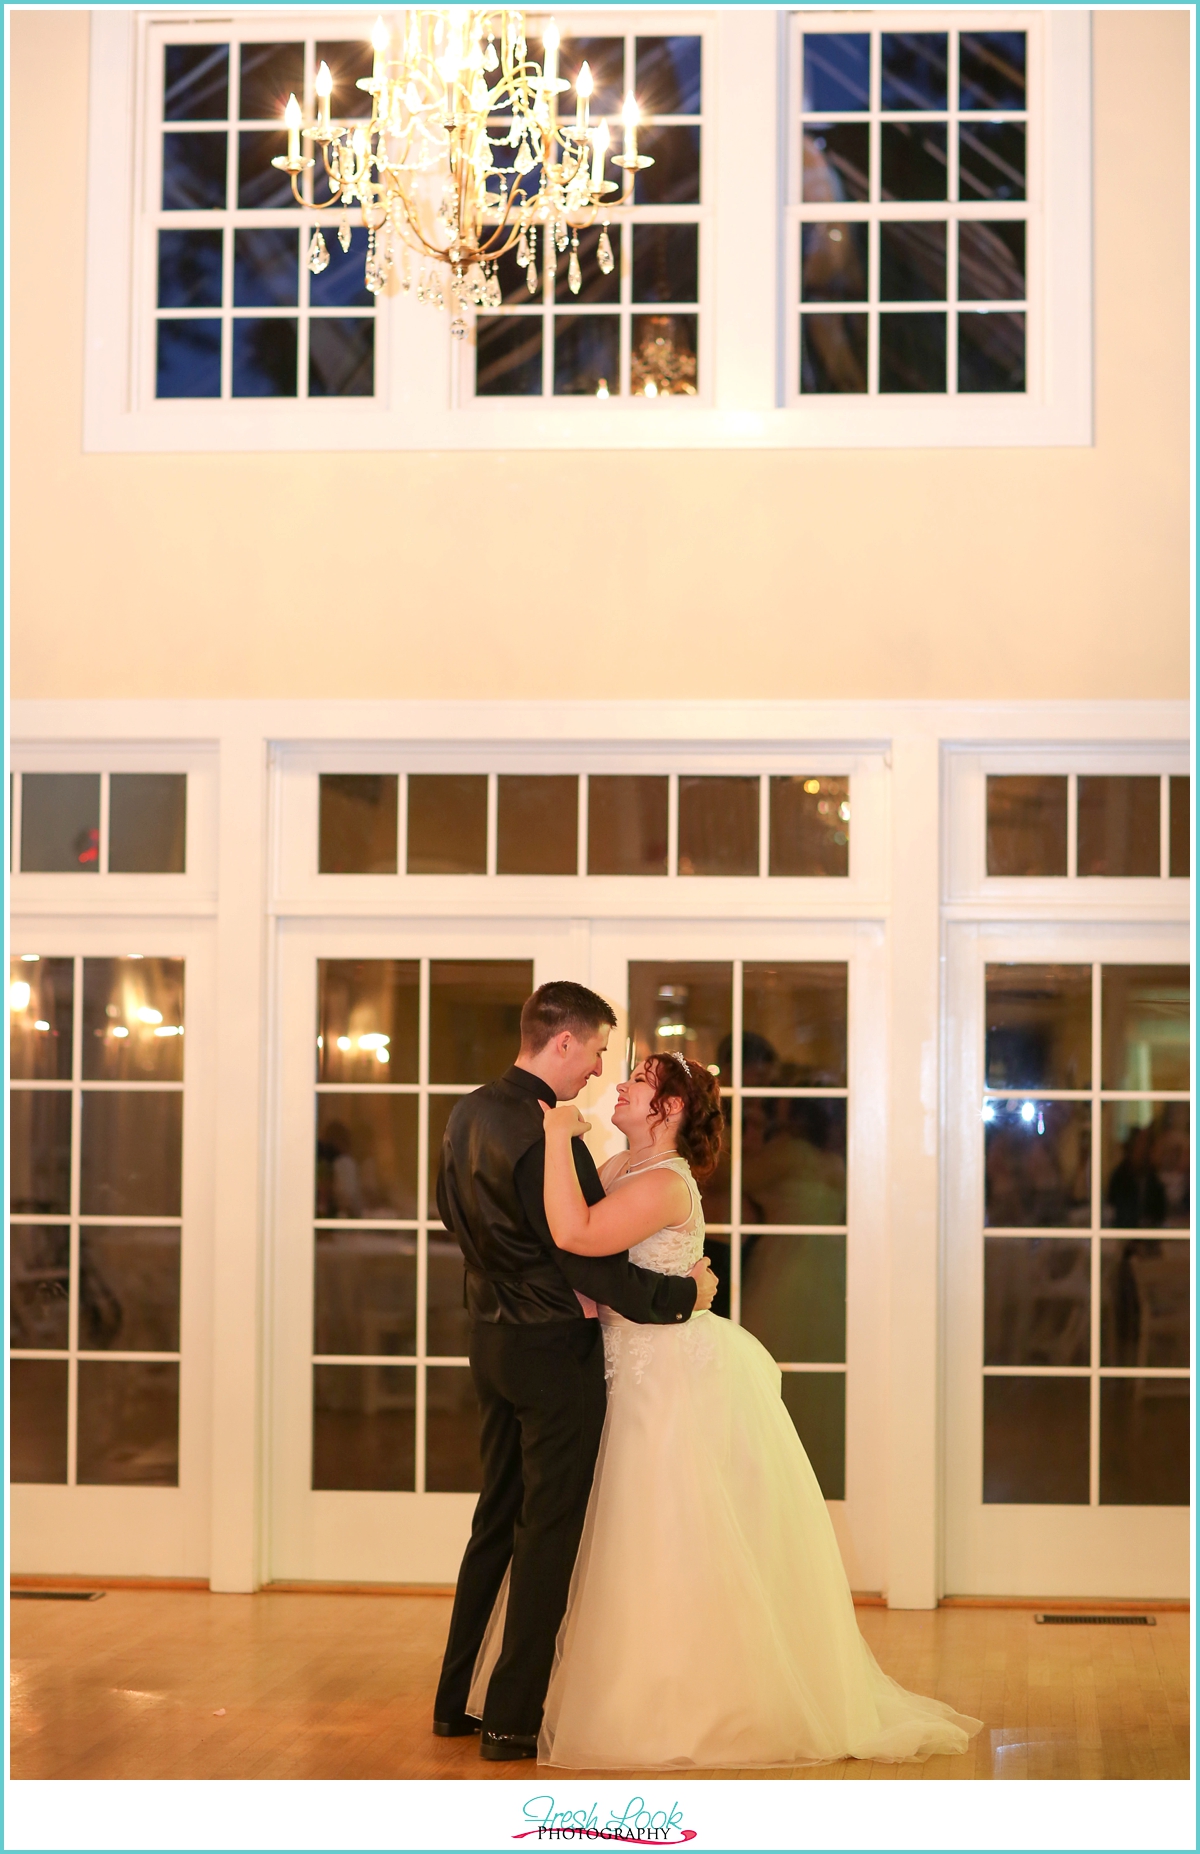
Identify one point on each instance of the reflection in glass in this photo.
(508, 354)
(833, 353)
(359, 814)
(991, 70)
(133, 1020)
(913, 161)
(452, 1463)
(794, 1296)
(1145, 1454)
(674, 180)
(39, 1151)
(662, 355)
(793, 1161)
(794, 1025)
(1027, 825)
(270, 73)
(128, 1424)
(367, 1020)
(128, 1289)
(1146, 1032)
(193, 170)
(41, 993)
(189, 276)
(39, 1286)
(1035, 1441)
(1037, 1301)
(537, 823)
(1039, 1026)
(365, 1293)
(447, 1328)
(131, 1151)
(60, 822)
(264, 358)
(37, 1418)
(991, 161)
(447, 823)
(685, 1005)
(837, 71)
(991, 351)
(1037, 1164)
(666, 263)
(1145, 1302)
(718, 826)
(364, 1428)
(366, 1156)
(914, 70)
(188, 360)
(605, 59)
(833, 262)
(627, 824)
(1146, 1150)
(348, 60)
(912, 353)
(341, 357)
(1118, 826)
(266, 268)
(816, 1403)
(587, 350)
(991, 259)
(716, 1195)
(195, 83)
(262, 187)
(440, 1107)
(912, 260)
(667, 80)
(1180, 863)
(147, 823)
(475, 1017)
(836, 161)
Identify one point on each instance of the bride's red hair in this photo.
(699, 1134)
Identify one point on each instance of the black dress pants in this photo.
(541, 1392)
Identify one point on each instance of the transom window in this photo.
(1082, 824)
(109, 823)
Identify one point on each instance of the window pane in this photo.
(991, 161)
(833, 353)
(816, 1403)
(366, 1155)
(914, 70)
(133, 1019)
(447, 1328)
(1145, 1164)
(794, 1025)
(60, 822)
(1038, 1164)
(39, 1161)
(810, 827)
(663, 355)
(264, 358)
(1037, 1301)
(537, 824)
(266, 268)
(259, 184)
(837, 71)
(364, 1428)
(188, 360)
(359, 818)
(794, 1296)
(1035, 1441)
(341, 358)
(365, 1292)
(342, 284)
(912, 353)
(1145, 1302)
(793, 1161)
(452, 1463)
(718, 826)
(508, 355)
(440, 1107)
(367, 1011)
(37, 1415)
(475, 1017)
(685, 1005)
(913, 161)
(189, 270)
(447, 823)
(1027, 826)
(1119, 826)
(991, 353)
(716, 1195)
(1039, 1027)
(195, 83)
(836, 161)
(40, 998)
(147, 823)
(597, 286)
(128, 1424)
(1181, 827)
(606, 61)
(193, 172)
(627, 824)
(912, 261)
(1145, 1454)
(667, 80)
(586, 354)
(1146, 1027)
(674, 180)
(348, 60)
(131, 1155)
(270, 73)
(991, 70)
(833, 262)
(128, 1289)
(39, 1286)
(666, 264)
(991, 259)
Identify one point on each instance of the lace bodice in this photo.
(673, 1250)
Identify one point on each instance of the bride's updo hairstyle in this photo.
(698, 1135)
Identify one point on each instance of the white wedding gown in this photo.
(710, 1623)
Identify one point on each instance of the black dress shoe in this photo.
(499, 1747)
(460, 1727)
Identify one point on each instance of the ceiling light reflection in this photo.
(18, 995)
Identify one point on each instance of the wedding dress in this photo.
(710, 1623)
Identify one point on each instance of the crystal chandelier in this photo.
(465, 158)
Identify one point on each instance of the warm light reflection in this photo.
(118, 1030)
(147, 1014)
(41, 1024)
(18, 995)
(31, 958)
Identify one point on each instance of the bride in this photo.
(703, 1505)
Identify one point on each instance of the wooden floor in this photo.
(180, 1683)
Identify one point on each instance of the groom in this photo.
(536, 1359)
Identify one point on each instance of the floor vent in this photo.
(57, 1596)
(1144, 1622)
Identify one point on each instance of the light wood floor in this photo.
(181, 1683)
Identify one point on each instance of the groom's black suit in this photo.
(538, 1367)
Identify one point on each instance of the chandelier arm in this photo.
(315, 205)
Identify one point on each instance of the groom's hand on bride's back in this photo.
(706, 1284)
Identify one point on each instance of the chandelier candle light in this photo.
(428, 175)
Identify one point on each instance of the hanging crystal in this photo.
(574, 274)
(561, 235)
(523, 160)
(522, 250)
(458, 328)
(318, 253)
(406, 274)
(531, 278)
(344, 232)
(494, 295)
(604, 251)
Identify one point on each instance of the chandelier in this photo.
(465, 158)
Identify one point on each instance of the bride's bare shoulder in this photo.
(612, 1168)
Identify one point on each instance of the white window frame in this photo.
(418, 403)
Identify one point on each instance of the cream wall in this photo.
(957, 574)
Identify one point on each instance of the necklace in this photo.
(671, 1152)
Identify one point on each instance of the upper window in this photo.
(1083, 824)
(90, 823)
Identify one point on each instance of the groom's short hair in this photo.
(558, 1006)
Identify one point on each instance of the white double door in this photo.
(407, 1527)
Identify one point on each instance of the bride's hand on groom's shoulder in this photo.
(565, 1118)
